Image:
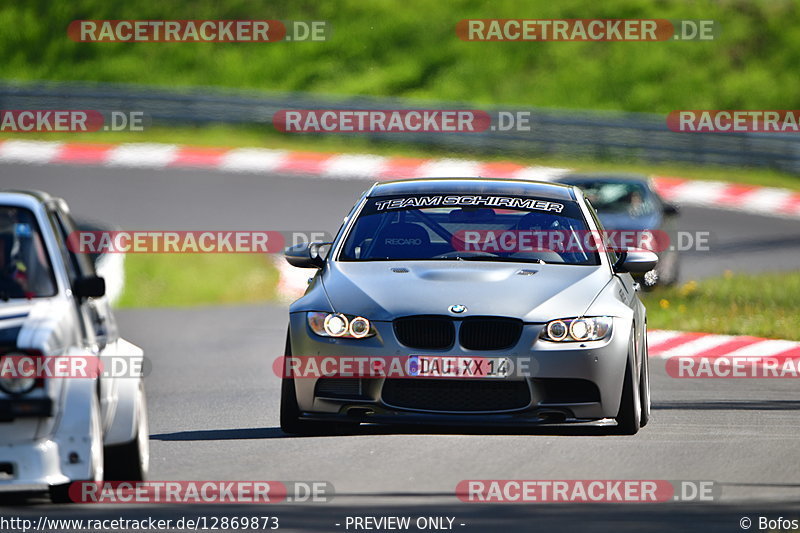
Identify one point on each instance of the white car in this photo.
(55, 430)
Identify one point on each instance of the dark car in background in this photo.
(630, 202)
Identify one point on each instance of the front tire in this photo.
(644, 384)
(629, 416)
(290, 411)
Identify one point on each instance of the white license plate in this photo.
(435, 366)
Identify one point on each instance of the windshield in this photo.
(630, 198)
(25, 270)
(468, 227)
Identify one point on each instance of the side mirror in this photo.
(636, 261)
(89, 287)
(671, 210)
(305, 255)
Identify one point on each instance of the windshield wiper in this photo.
(496, 259)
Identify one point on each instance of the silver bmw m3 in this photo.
(467, 301)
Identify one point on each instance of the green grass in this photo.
(409, 48)
(244, 136)
(762, 305)
(184, 280)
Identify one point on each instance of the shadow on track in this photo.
(222, 434)
(276, 433)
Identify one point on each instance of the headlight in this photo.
(17, 385)
(13, 380)
(557, 330)
(335, 325)
(339, 325)
(359, 327)
(577, 329)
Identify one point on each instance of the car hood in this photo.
(531, 292)
(16, 308)
(13, 315)
(42, 324)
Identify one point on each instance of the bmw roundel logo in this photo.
(458, 308)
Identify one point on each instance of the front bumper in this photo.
(542, 367)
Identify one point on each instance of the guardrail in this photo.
(604, 135)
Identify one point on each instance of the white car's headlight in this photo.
(12, 381)
(339, 325)
(577, 329)
(17, 385)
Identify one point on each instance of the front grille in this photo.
(560, 390)
(456, 394)
(425, 332)
(489, 333)
(338, 388)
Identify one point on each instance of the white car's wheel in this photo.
(131, 461)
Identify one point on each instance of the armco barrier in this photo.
(632, 136)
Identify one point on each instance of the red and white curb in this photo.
(664, 344)
(752, 199)
(260, 160)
